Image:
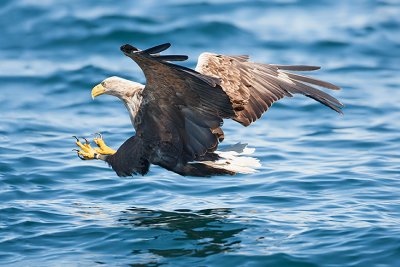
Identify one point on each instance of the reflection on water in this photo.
(191, 233)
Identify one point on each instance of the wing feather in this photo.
(254, 87)
(156, 49)
(173, 57)
(296, 67)
(310, 80)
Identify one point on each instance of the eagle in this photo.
(178, 114)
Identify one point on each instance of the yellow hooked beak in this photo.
(98, 90)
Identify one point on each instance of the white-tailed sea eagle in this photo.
(178, 114)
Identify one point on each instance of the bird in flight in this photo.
(179, 113)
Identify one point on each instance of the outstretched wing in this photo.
(254, 87)
(181, 109)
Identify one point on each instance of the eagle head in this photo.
(122, 88)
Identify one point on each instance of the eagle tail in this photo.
(231, 160)
(236, 158)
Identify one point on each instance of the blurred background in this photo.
(328, 191)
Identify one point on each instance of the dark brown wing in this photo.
(254, 87)
(181, 109)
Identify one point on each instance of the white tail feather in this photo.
(232, 159)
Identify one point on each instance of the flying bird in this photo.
(178, 114)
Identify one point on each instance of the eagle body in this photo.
(179, 113)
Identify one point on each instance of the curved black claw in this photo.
(77, 139)
(98, 135)
(79, 155)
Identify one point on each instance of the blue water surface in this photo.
(328, 193)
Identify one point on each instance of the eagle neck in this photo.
(132, 104)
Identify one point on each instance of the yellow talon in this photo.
(87, 152)
(85, 147)
(102, 147)
(86, 155)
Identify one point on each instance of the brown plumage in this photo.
(254, 87)
(178, 114)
